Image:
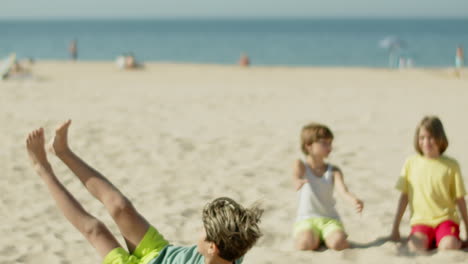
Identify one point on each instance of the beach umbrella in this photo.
(393, 44)
(6, 65)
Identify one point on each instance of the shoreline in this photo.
(171, 63)
(252, 68)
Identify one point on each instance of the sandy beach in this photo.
(175, 136)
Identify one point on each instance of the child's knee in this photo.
(418, 242)
(338, 244)
(118, 205)
(307, 245)
(449, 243)
(337, 241)
(307, 241)
(93, 228)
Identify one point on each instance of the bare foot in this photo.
(35, 146)
(59, 144)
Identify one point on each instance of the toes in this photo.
(37, 134)
(30, 137)
(63, 126)
(67, 124)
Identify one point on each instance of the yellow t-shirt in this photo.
(433, 186)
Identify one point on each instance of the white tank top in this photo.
(316, 196)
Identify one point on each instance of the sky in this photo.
(47, 9)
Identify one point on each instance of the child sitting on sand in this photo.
(432, 184)
(314, 179)
(230, 230)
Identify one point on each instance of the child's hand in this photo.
(395, 236)
(464, 244)
(359, 205)
(298, 183)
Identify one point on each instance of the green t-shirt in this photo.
(181, 255)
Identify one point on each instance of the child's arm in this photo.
(298, 174)
(343, 189)
(402, 203)
(462, 208)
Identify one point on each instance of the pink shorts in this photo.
(435, 234)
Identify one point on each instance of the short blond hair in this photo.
(311, 133)
(233, 228)
(434, 126)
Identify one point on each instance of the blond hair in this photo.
(233, 228)
(434, 126)
(311, 133)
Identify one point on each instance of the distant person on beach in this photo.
(402, 63)
(230, 230)
(432, 185)
(459, 61)
(244, 60)
(19, 70)
(128, 61)
(315, 180)
(73, 49)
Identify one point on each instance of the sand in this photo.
(175, 136)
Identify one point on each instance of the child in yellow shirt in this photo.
(432, 185)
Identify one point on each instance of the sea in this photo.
(267, 42)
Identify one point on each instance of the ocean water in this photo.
(298, 42)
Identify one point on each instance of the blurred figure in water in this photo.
(73, 49)
(459, 60)
(244, 60)
(402, 63)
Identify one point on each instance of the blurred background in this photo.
(297, 33)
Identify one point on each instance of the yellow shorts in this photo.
(321, 226)
(149, 248)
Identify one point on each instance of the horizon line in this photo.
(107, 18)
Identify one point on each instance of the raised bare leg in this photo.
(93, 229)
(132, 225)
